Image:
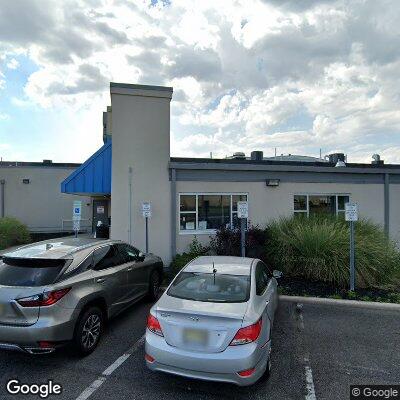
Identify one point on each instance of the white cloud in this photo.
(247, 75)
(12, 64)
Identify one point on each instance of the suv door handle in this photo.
(100, 280)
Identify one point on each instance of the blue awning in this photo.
(93, 177)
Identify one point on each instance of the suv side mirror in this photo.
(277, 274)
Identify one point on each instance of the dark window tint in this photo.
(262, 278)
(106, 257)
(218, 288)
(29, 272)
(128, 253)
(77, 269)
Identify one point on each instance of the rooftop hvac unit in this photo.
(239, 155)
(257, 155)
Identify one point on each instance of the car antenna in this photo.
(214, 272)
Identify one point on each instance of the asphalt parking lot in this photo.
(317, 353)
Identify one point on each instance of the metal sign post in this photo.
(76, 216)
(243, 214)
(351, 215)
(146, 212)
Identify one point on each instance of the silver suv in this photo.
(63, 290)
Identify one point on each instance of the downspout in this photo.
(173, 212)
(387, 204)
(130, 205)
(2, 183)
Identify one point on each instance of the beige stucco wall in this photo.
(40, 204)
(141, 140)
(394, 220)
(267, 203)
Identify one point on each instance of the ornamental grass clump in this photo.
(317, 248)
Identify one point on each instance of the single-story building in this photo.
(30, 192)
(194, 196)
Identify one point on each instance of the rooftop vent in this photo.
(376, 160)
(47, 161)
(239, 155)
(257, 155)
(334, 158)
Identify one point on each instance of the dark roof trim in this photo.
(13, 164)
(141, 87)
(251, 165)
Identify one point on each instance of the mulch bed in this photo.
(301, 287)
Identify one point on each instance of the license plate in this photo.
(195, 336)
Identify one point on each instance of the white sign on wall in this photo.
(351, 212)
(146, 209)
(243, 209)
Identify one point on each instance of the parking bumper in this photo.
(222, 367)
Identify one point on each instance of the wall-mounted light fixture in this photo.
(272, 182)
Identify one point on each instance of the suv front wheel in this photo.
(88, 330)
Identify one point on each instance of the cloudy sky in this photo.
(296, 75)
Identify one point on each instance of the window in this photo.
(208, 212)
(106, 257)
(127, 252)
(262, 278)
(219, 288)
(30, 272)
(85, 265)
(319, 204)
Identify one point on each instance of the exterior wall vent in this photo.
(26, 181)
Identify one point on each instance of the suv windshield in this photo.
(29, 272)
(211, 287)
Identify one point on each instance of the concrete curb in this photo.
(341, 302)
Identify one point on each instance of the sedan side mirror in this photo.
(277, 274)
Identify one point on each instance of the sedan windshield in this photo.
(211, 287)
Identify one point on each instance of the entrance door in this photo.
(100, 212)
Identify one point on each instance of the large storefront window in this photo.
(208, 212)
(305, 205)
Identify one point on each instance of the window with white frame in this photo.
(208, 211)
(317, 204)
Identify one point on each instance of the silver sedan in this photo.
(214, 321)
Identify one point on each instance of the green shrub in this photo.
(317, 248)
(12, 233)
(196, 249)
(227, 242)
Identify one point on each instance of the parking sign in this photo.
(243, 209)
(146, 209)
(351, 212)
(77, 210)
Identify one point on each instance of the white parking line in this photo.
(309, 380)
(107, 372)
(310, 395)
